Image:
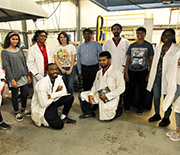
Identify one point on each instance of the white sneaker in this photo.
(175, 137)
(25, 112)
(19, 117)
(170, 133)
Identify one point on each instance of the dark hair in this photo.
(105, 54)
(7, 39)
(37, 33)
(34, 39)
(47, 67)
(170, 30)
(141, 29)
(65, 35)
(87, 30)
(116, 25)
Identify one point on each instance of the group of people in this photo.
(109, 73)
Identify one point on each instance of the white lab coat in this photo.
(2, 76)
(118, 53)
(40, 99)
(35, 61)
(172, 78)
(113, 79)
(166, 62)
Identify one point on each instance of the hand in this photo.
(49, 96)
(80, 76)
(14, 83)
(91, 99)
(29, 79)
(3, 80)
(63, 71)
(68, 72)
(59, 88)
(38, 77)
(127, 77)
(102, 96)
(179, 62)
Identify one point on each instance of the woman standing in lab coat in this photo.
(39, 55)
(173, 93)
(160, 65)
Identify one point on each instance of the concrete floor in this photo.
(129, 134)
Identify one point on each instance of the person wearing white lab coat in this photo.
(118, 47)
(161, 62)
(39, 55)
(50, 93)
(3, 125)
(2, 82)
(108, 78)
(172, 79)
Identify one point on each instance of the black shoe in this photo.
(5, 126)
(118, 115)
(165, 122)
(140, 111)
(87, 115)
(154, 118)
(127, 110)
(68, 120)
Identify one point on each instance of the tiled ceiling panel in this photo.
(119, 5)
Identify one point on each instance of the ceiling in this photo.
(121, 5)
(11, 10)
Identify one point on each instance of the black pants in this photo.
(51, 113)
(89, 74)
(1, 119)
(136, 79)
(119, 110)
(87, 108)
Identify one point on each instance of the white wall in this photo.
(90, 12)
(15, 25)
(66, 17)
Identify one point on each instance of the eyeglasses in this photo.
(43, 36)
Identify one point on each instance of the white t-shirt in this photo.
(64, 54)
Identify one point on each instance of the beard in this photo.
(53, 76)
(104, 66)
(116, 34)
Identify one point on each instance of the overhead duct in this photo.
(11, 10)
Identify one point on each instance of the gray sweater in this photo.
(14, 63)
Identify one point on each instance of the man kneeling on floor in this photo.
(50, 93)
(107, 87)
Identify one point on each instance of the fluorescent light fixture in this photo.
(167, 1)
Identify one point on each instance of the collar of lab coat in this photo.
(55, 82)
(110, 67)
(37, 48)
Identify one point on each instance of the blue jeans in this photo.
(157, 97)
(69, 79)
(24, 94)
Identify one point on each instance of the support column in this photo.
(148, 24)
(24, 32)
(78, 21)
